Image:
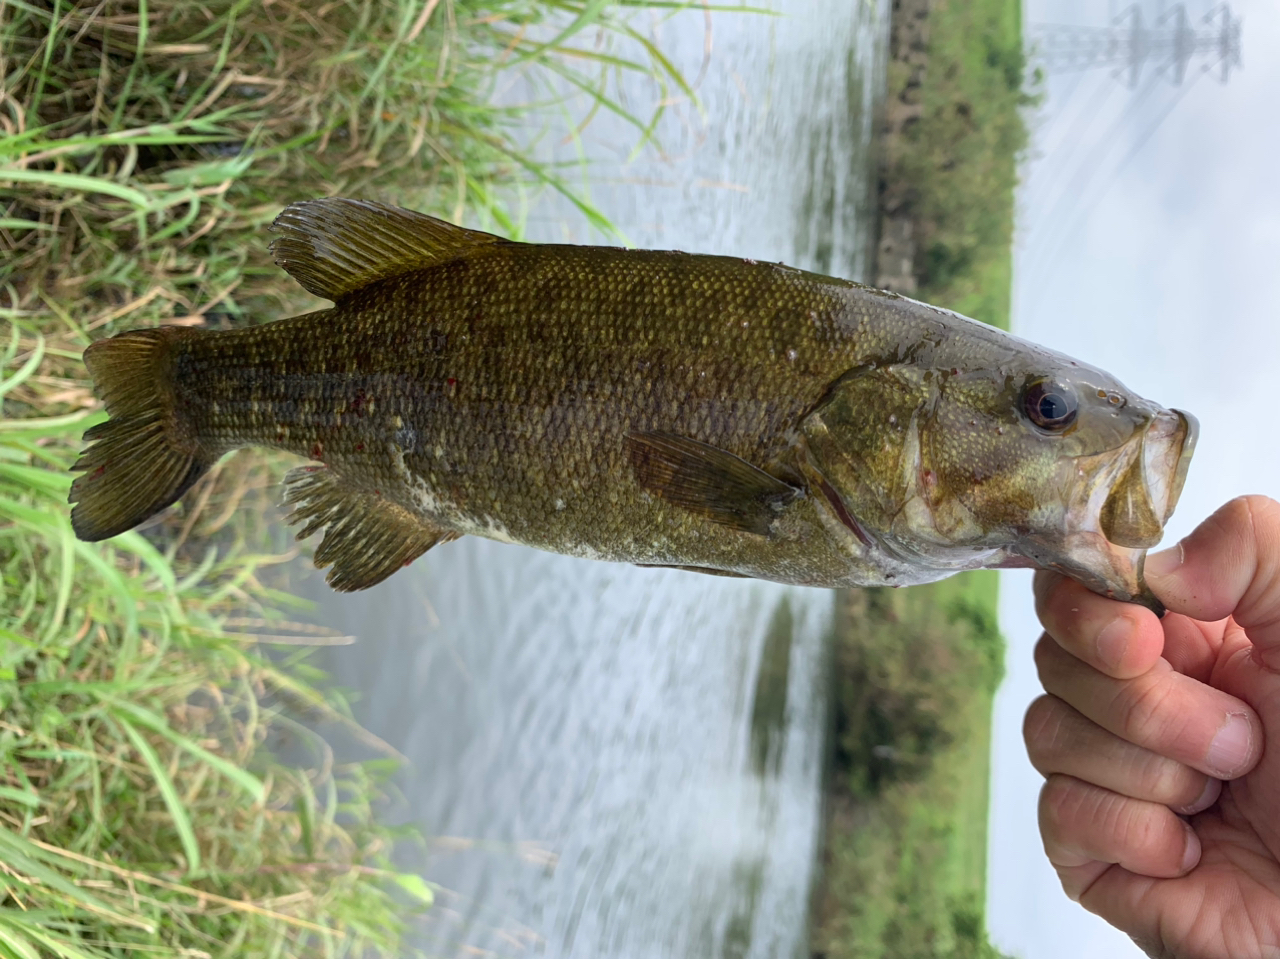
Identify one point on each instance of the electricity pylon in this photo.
(1129, 44)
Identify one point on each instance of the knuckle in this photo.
(1144, 713)
(1262, 522)
(1061, 802)
(1043, 730)
(1167, 782)
(1262, 514)
(1130, 821)
(1049, 659)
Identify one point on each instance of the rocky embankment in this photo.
(903, 108)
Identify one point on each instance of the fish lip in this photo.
(1143, 494)
(1191, 436)
(1165, 456)
(1168, 445)
(1153, 475)
(1167, 448)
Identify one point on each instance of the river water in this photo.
(612, 762)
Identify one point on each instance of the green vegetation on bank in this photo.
(141, 808)
(148, 143)
(958, 164)
(146, 804)
(904, 873)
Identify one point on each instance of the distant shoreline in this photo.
(949, 135)
(895, 263)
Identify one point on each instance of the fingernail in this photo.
(1113, 641)
(1230, 747)
(1208, 796)
(1191, 855)
(1165, 562)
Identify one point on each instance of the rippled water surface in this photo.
(617, 762)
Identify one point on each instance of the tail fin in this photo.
(141, 459)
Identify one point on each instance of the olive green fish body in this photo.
(495, 395)
(650, 407)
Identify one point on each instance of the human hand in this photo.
(1161, 806)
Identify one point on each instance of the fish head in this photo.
(1036, 460)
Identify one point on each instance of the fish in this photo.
(661, 408)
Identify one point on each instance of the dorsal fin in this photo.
(335, 245)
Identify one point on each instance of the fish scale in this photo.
(653, 407)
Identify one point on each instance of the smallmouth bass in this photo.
(658, 408)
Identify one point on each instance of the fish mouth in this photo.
(1143, 498)
(1139, 499)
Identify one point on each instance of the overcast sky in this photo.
(1153, 250)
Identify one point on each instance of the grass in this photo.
(142, 808)
(147, 144)
(958, 164)
(162, 791)
(905, 861)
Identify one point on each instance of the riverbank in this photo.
(950, 136)
(904, 862)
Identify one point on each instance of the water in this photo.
(620, 763)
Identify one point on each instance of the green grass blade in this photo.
(251, 785)
(29, 367)
(37, 426)
(76, 183)
(16, 946)
(177, 811)
(34, 863)
(29, 799)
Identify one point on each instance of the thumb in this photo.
(1229, 566)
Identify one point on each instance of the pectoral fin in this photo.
(708, 481)
(366, 538)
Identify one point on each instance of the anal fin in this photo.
(709, 481)
(366, 537)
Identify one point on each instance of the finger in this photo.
(1159, 920)
(1229, 566)
(1060, 740)
(1193, 648)
(1205, 914)
(1120, 639)
(1162, 711)
(1081, 824)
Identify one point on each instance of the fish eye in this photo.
(1050, 405)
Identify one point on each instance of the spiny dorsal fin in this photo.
(708, 481)
(335, 245)
(366, 537)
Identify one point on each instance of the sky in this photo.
(1148, 243)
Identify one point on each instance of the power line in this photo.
(1086, 204)
(1129, 44)
(1141, 53)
